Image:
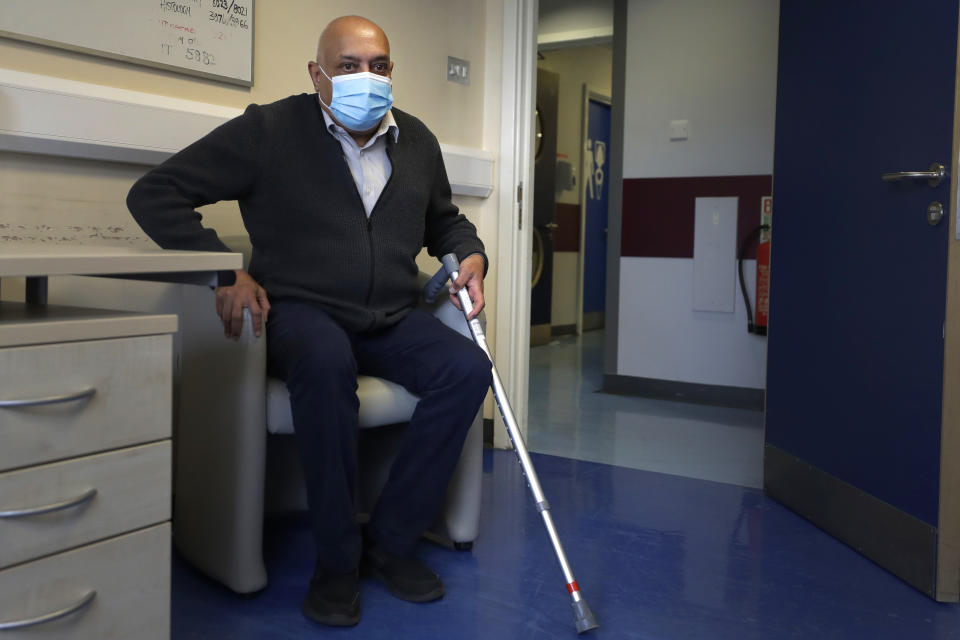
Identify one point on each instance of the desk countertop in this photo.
(56, 260)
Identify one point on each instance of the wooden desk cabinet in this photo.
(85, 472)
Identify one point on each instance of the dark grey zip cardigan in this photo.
(312, 240)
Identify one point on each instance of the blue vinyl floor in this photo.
(659, 551)
(657, 556)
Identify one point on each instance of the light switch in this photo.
(679, 129)
(458, 70)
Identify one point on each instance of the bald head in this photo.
(347, 33)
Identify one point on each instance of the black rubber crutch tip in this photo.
(585, 619)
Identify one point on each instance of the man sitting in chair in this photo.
(339, 193)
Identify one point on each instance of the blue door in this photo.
(597, 168)
(859, 279)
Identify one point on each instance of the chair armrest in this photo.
(460, 520)
(221, 447)
(446, 312)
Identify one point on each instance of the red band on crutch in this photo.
(573, 586)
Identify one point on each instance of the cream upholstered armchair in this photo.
(229, 472)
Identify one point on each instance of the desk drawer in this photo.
(131, 577)
(132, 379)
(132, 491)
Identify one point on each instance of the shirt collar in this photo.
(388, 124)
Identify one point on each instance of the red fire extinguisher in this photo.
(757, 323)
(763, 267)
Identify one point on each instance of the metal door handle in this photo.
(934, 175)
(36, 402)
(86, 496)
(552, 226)
(7, 625)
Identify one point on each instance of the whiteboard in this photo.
(208, 38)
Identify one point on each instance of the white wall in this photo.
(284, 42)
(566, 20)
(661, 338)
(286, 38)
(713, 64)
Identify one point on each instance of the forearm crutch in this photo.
(585, 619)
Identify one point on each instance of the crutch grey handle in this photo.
(439, 280)
(450, 263)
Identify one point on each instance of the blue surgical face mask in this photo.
(360, 100)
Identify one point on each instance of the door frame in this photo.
(588, 93)
(947, 587)
(515, 232)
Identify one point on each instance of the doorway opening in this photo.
(610, 330)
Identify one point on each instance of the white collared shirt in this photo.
(370, 164)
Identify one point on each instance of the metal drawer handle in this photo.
(36, 402)
(934, 175)
(87, 496)
(49, 617)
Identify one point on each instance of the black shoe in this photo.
(333, 598)
(404, 577)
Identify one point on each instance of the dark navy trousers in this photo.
(319, 361)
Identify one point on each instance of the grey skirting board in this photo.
(897, 541)
(739, 397)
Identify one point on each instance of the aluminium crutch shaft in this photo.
(584, 617)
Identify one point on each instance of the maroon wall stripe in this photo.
(658, 213)
(566, 237)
